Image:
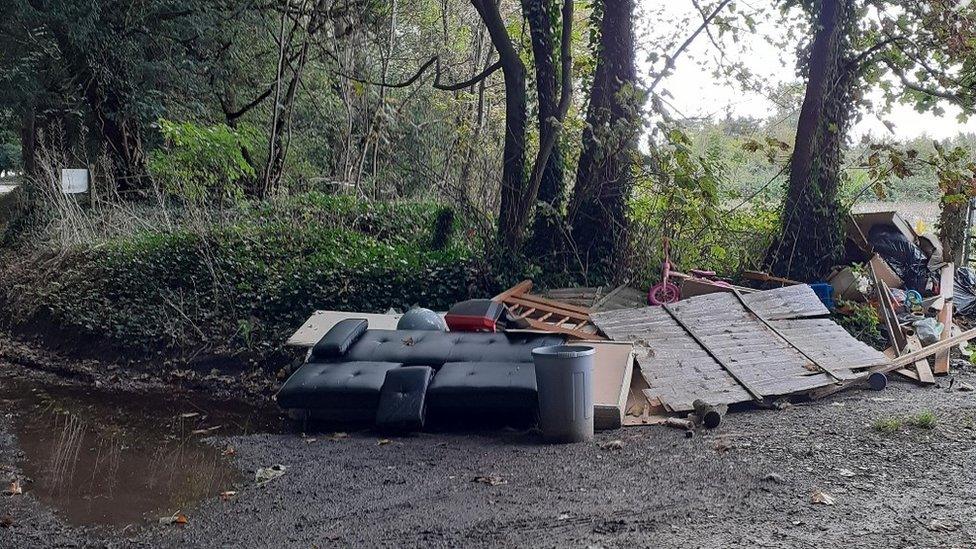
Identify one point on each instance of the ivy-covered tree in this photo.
(921, 53)
(597, 212)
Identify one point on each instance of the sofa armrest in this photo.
(337, 341)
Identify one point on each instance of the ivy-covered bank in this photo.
(243, 287)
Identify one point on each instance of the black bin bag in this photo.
(904, 257)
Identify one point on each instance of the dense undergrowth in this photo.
(244, 286)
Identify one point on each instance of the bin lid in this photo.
(564, 351)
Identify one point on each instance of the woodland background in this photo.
(254, 160)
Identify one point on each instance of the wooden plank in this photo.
(899, 362)
(575, 331)
(766, 277)
(922, 368)
(518, 289)
(946, 282)
(541, 302)
(735, 375)
(885, 313)
(887, 309)
(523, 301)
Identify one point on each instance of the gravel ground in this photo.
(748, 484)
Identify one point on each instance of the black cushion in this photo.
(428, 348)
(337, 340)
(403, 398)
(484, 386)
(342, 385)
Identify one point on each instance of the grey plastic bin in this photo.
(564, 375)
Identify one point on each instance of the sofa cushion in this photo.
(426, 348)
(336, 385)
(403, 398)
(339, 338)
(484, 386)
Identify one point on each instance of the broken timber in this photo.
(723, 351)
(900, 362)
(546, 314)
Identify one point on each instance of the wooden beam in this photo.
(922, 364)
(946, 282)
(541, 302)
(766, 277)
(518, 289)
(899, 362)
(536, 305)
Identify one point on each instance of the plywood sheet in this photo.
(321, 322)
(613, 366)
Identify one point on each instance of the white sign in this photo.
(74, 181)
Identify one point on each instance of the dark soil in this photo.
(747, 484)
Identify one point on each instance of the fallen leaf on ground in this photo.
(14, 489)
(229, 451)
(723, 445)
(612, 445)
(846, 473)
(821, 497)
(310, 440)
(383, 442)
(228, 495)
(7, 521)
(265, 475)
(408, 341)
(490, 480)
(337, 436)
(178, 518)
(774, 477)
(563, 516)
(938, 525)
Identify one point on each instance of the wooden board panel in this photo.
(613, 366)
(946, 283)
(787, 302)
(675, 368)
(678, 369)
(322, 321)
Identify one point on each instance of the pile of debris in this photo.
(721, 344)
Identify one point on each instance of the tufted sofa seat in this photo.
(343, 377)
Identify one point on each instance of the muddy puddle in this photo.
(110, 459)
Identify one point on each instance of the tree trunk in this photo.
(953, 221)
(28, 143)
(810, 241)
(598, 209)
(513, 162)
(551, 188)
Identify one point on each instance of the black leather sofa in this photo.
(481, 374)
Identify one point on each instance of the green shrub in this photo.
(248, 285)
(683, 195)
(202, 163)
